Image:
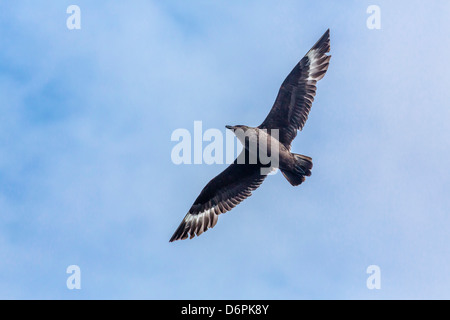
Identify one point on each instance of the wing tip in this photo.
(318, 57)
(177, 235)
(323, 44)
(194, 226)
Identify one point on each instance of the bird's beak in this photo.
(229, 127)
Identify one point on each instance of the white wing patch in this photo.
(196, 224)
(318, 64)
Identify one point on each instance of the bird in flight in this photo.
(288, 115)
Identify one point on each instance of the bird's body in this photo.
(266, 147)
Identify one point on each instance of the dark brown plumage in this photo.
(288, 114)
(296, 95)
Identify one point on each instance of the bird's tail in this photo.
(302, 168)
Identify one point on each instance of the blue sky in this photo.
(86, 176)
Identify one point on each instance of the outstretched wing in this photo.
(220, 195)
(296, 95)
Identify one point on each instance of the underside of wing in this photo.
(220, 195)
(296, 95)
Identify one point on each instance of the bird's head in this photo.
(242, 132)
(238, 127)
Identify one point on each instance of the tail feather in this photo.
(302, 168)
